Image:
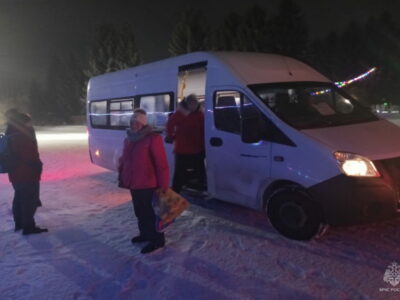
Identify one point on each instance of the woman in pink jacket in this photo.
(144, 168)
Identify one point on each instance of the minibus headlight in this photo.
(356, 165)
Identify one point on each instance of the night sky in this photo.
(32, 31)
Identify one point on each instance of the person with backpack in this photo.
(6, 159)
(25, 172)
(185, 128)
(143, 168)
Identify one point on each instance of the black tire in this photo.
(293, 214)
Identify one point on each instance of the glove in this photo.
(37, 165)
(120, 183)
(169, 139)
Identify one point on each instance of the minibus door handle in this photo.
(216, 142)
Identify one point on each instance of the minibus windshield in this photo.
(306, 105)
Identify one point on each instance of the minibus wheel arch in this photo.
(275, 186)
(286, 196)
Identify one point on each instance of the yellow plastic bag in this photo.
(168, 206)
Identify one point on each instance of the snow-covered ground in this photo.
(214, 251)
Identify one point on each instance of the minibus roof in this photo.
(253, 68)
(247, 67)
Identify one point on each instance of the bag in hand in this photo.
(167, 206)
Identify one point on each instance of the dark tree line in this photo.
(358, 48)
(339, 56)
(64, 93)
(285, 32)
(60, 98)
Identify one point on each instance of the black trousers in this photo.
(26, 201)
(145, 214)
(183, 162)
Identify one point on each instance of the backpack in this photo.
(6, 158)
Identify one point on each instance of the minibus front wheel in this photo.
(293, 214)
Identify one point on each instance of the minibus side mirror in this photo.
(251, 130)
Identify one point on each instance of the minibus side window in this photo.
(227, 111)
(266, 129)
(250, 112)
(120, 113)
(98, 113)
(230, 107)
(157, 107)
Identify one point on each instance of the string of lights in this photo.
(341, 84)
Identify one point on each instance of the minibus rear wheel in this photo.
(293, 214)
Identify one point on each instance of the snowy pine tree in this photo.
(60, 97)
(114, 49)
(289, 32)
(37, 101)
(190, 33)
(244, 33)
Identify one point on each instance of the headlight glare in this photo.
(356, 165)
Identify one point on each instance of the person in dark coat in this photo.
(185, 128)
(144, 168)
(25, 173)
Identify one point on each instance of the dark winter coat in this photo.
(187, 131)
(144, 163)
(27, 166)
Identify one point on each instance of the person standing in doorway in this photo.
(26, 171)
(143, 169)
(185, 128)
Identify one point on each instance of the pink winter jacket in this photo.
(144, 164)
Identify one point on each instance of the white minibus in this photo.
(279, 136)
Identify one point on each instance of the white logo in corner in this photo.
(392, 274)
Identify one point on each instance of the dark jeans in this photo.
(145, 214)
(26, 201)
(183, 162)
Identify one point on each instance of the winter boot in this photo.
(138, 239)
(34, 230)
(150, 247)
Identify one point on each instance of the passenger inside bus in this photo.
(185, 128)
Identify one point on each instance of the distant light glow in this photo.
(97, 153)
(45, 137)
(111, 114)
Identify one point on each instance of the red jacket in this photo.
(144, 164)
(187, 132)
(25, 153)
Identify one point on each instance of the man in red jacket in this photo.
(25, 173)
(186, 128)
